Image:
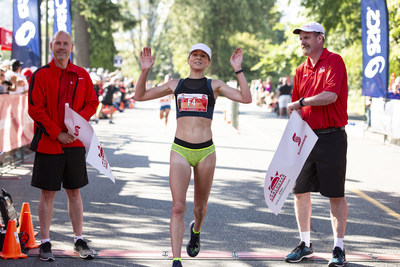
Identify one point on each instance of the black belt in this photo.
(328, 130)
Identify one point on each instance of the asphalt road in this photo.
(128, 222)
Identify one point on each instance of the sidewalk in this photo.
(127, 222)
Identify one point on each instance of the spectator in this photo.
(27, 72)
(395, 89)
(60, 157)
(268, 85)
(284, 96)
(321, 100)
(16, 77)
(6, 66)
(107, 99)
(3, 83)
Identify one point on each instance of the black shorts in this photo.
(69, 168)
(325, 168)
(107, 103)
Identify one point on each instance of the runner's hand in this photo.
(236, 59)
(146, 60)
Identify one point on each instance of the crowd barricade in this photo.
(16, 127)
(385, 117)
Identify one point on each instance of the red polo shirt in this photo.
(328, 74)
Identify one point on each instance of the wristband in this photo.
(301, 102)
(239, 71)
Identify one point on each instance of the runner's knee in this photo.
(178, 208)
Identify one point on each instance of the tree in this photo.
(100, 16)
(344, 32)
(81, 29)
(394, 35)
(214, 23)
(145, 24)
(345, 22)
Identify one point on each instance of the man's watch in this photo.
(301, 102)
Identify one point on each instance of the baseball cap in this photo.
(5, 63)
(311, 27)
(202, 47)
(27, 72)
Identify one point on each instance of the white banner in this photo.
(82, 129)
(296, 143)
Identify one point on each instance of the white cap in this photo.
(311, 27)
(202, 47)
(6, 63)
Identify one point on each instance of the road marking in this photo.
(376, 203)
(10, 178)
(217, 255)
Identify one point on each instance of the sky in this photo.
(6, 14)
(289, 10)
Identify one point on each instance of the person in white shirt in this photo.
(22, 85)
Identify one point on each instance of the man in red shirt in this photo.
(320, 96)
(59, 157)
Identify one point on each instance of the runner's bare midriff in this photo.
(193, 129)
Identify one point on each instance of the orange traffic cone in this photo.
(27, 227)
(11, 246)
(25, 208)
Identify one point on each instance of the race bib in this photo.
(192, 102)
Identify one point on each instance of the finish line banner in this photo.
(375, 46)
(295, 146)
(26, 32)
(79, 127)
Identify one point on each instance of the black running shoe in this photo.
(45, 253)
(177, 263)
(300, 252)
(193, 247)
(338, 258)
(83, 249)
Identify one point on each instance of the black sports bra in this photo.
(194, 97)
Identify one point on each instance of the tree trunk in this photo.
(81, 39)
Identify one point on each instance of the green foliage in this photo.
(394, 34)
(217, 23)
(270, 48)
(278, 60)
(339, 16)
(343, 33)
(101, 15)
(145, 24)
(343, 29)
(353, 61)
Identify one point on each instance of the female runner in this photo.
(193, 146)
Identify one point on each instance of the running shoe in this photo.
(45, 253)
(177, 263)
(193, 247)
(300, 252)
(338, 258)
(83, 249)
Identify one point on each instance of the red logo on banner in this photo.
(297, 140)
(102, 156)
(76, 133)
(276, 184)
